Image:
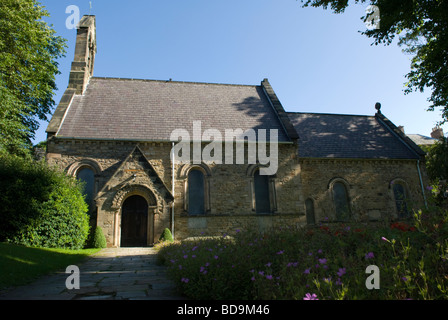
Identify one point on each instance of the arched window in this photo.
(261, 189)
(341, 201)
(309, 209)
(86, 175)
(400, 196)
(196, 179)
(196, 192)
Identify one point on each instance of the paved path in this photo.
(111, 274)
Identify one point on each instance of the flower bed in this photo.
(324, 262)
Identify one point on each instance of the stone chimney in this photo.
(85, 50)
(437, 133)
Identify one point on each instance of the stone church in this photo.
(116, 136)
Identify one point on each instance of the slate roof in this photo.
(421, 139)
(149, 110)
(350, 136)
(129, 109)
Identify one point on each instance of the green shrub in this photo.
(166, 236)
(41, 207)
(98, 240)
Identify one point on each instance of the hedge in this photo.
(41, 206)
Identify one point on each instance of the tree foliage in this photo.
(437, 160)
(422, 29)
(41, 206)
(437, 170)
(29, 50)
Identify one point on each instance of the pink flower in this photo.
(369, 255)
(310, 296)
(323, 261)
(341, 272)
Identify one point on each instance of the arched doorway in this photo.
(134, 222)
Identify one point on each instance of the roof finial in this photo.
(378, 107)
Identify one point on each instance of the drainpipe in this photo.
(172, 184)
(421, 183)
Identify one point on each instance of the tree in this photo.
(437, 160)
(422, 27)
(29, 50)
(437, 169)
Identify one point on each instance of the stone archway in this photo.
(135, 207)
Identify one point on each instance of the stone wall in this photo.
(231, 198)
(230, 192)
(220, 225)
(229, 187)
(369, 186)
(114, 175)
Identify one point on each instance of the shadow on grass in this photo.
(19, 265)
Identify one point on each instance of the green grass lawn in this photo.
(20, 265)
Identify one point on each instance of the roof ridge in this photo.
(400, 134)
(331, 114)
(175, 81)
(419, 134)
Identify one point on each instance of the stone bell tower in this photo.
(85, 50)
(81, 71)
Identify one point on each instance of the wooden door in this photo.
(134, 222)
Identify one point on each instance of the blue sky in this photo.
(315, 60)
